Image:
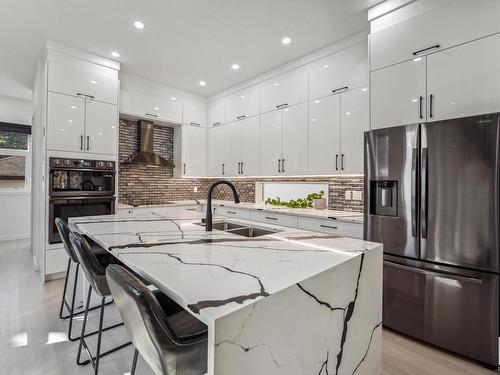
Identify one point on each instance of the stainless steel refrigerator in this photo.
(432, 198)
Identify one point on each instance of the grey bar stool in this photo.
(95, 271)
(64, 232)
(170, 339)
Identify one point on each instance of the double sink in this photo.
(243, 230)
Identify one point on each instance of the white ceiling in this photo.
(184, 41)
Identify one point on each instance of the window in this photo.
(14, 156)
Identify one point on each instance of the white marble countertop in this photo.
(346, 216)
(213, 274)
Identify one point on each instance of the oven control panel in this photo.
(59, 163)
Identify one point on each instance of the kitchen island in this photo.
(288, 302)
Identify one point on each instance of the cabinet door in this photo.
(84, 78)
(286, 89)
(355, 120)
(464, 80)
(250, 146)
(398, 94)
(194, 113)
(216, 150)
(324, 135)
(294, 140)
(233, 149)
(217, 112)
(65, 123)
(194, 150)
(346, 68)
(270, 143)
(244, 103)
(449, 24)
(101, 124)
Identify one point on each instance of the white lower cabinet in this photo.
(324, 135)
(340, 228)
(101, 122)
(354, 121)
(271, 218)
(398, 94)
(194, 147)
(464, 80)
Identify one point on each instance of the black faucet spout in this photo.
(208, 220)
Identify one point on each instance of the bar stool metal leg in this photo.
(134, 362)
(94, 360)
(64, 303)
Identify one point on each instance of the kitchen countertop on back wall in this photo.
(346, 216)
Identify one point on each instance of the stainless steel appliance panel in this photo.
(452, 308)
(391, 162)
(459, 192)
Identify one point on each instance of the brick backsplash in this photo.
(140, 185)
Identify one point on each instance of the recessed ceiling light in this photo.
(348, 113)
(115, 54)
(70, 121)
(139, 25)
(414, 100)
(417, 59)
(316, 101)
(242, 96)
(93, 82)
(235, 67)
(276, 84)
(286, 40)
(364, 89)
(173, 98)
(326, 66)
(157, 109)
(203, 83)
(313, 120)
(73, 107)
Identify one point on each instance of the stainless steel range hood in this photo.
(146, 155)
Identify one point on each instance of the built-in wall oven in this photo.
(79, 187)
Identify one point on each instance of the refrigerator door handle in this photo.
(414, 192)
(425, 185)
(435, 273)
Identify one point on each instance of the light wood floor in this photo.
(33, 340)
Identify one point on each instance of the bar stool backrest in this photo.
(64, 232)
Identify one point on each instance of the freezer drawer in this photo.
(451, 308)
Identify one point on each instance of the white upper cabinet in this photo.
(243, 104)
(217, 146)
(270, 143)
(464, 80)
(194, 113)
(101, 122)
(217, 112)
(250, 146)
(355, 120)
(84, 79)
(232, 160)
(284, 90)
(340, 71)
(324, 135)
(398, 94)
(294, 140)
(447, 25)
(194, 148)
(65, 123)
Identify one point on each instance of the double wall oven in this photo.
(79, 187)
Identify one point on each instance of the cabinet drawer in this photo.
(450, 24)
(278, 219)
(233, 212)
(331, 226)
(85, 80)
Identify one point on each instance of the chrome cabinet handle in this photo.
(282, 105)
(223, 172)
(426, 49)
(279, 165)
(195, 124)
(342, 162)
(283, 165)
(215, 124)
(241, 167)
(241, 117)
(184, 168)
(151, 115)
(420, 107)
(81, 142)
(88, 143)
(232, 212)
(336, 162)
(271, 218)
(339, 89)
(431, 99)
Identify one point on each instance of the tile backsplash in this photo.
(141, 185)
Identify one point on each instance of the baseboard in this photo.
(55, 276)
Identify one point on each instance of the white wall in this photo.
(15, 207)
